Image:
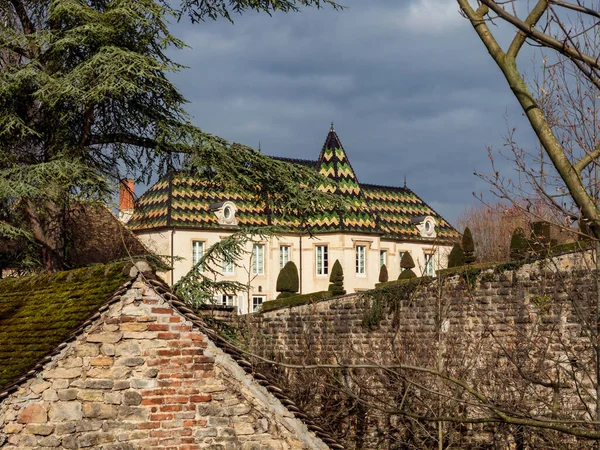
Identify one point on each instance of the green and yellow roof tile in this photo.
(182, 200)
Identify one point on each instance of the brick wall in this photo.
(141, 377)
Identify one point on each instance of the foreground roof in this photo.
(38, 313)
(182, 200)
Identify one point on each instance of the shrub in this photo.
(456, 257)
(288, 281)
(407, 261)
(407, 274)
(468, 246)
(337, 279)
(294, 300)
(518, 245)
(383, 274)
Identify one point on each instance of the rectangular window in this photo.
(322, 260)
(382, 258)
(226, 300)
(258, 259)
(257, 301)
(228, 267)
(361, 251)
(197, 252)
(429, 265)
(400, 255)
(284, 255)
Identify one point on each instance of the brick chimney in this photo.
(126, 202)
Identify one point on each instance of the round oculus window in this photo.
(428, 226)
(227, 212)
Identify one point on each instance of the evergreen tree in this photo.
(468, 246)
(288, 282)
(337, 279)
(407, 264)
(456, 257)
(383, 274)
(85, 98)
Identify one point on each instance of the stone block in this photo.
(61, 372)
(101, 361)
(42, 429)
(132, 398)
(13, 428)
(87, 350)
(64, 411)
(131, 361)
(99, 384)
(33, 414)
(128, 348)
(67, 394)
(49, 441)
(39, 387)
(140, 383)
(133, 413)
(98, 410)
(110, 337)
(74, 361)
(113, 398)
(95, 439)
(49, 395)
(243, 428)
(121, 384)
(64, 428)
(90, 396)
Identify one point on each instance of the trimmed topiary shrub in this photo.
(337, 279)
(456, 257)
(407, 274)
(407, 262)
(468, 246)
(518, 245)
(539, 239)
(383, 274)
(288, 282)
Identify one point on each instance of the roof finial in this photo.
(259, 150)
(331, 129)
(404, 180)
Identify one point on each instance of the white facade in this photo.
(360, 255)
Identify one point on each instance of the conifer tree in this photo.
(288, 282)
(468, 246)
(383, 274)
(407, 264)
(456, 257)
(85, 99)
(337, 279)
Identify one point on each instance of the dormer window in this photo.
(426, 226)
(225, 212)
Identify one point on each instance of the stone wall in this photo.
(481, 327)
(142, 377)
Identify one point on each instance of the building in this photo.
(107, 357)
(182, 215)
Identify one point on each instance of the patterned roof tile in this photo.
(183, 200)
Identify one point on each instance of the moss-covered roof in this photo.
(38, 313)
(182, 200)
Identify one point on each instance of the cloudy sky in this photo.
(408, 85)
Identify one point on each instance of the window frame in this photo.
(195, 258)
(360, 253)
(224, 298)
(281, 253)
(256, 307)
(258, 264)
(228, 267)
(322, 267)
(382, 261)
(429, 262)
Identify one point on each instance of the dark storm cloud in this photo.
(409, 86)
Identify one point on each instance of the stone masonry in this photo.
(142, 377)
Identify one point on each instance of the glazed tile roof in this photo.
(182, 200)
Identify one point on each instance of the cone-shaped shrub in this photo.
(407, 262)
(468, 247)
(383, 274)
(288, 282)
(407, 275)
(456, 257)
(337, 279)
(518, 245)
